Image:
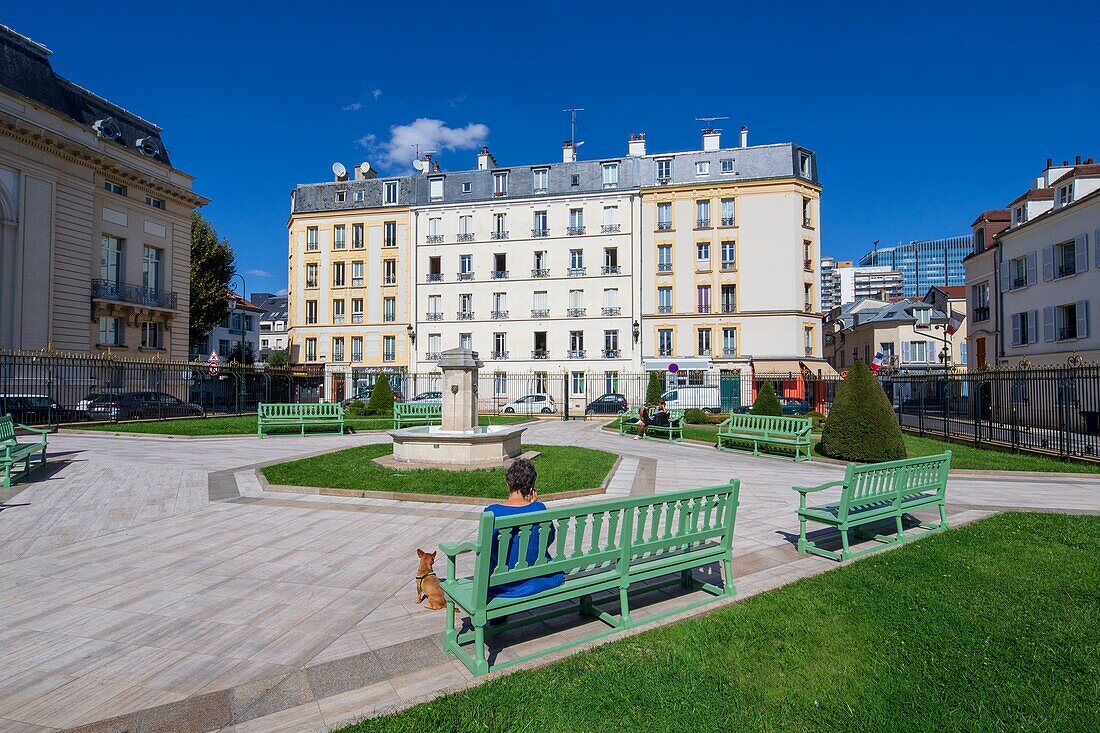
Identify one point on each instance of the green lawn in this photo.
(246, 425)
(991, 627)
(561, 468)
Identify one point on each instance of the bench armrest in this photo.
(454, 549)
(39, 431)
(822, 487)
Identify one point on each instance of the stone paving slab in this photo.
(152, 584)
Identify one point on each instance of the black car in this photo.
(611, 403)
(33, 409)
(141, 405)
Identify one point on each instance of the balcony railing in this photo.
(309, 284)
(1067, 270)
(981, 313)
(498, 315)
(499, 274)
(702, 223)
(729, 307)
(574, 231)
(729, 266)
(465, 237)
(357, 282)
(576, 271)
(435, 239)
(435, 317)
(729, 352)
(575, 312)
(808, 265)
(664, 309)
(390, 280)
(611, 311)
(389, 356)
(1019, 282)
(702, 308)
(540, 189)
(501, 234)
(466, 276)
(664, 180)
(540, 313)
(1067, 334)
(664, 267)
(540, 354)
(435, 277)
(431, 355)
(540, 233)
(611, 353)
(389, 318)
(576, 354)
(808, 307)
(727, 221)
(137, 294)
(356, 317)
(664, 352)
(809, 351)
(499, 355)
(664, 226)
(703, 352)
(465, 315)
(611, 228)
(540, 272)
(805, 221)
(338, 320)
(611, 269)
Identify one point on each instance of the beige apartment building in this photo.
(95, 222)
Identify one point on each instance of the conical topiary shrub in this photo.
(766, 401)
(654, 391)
(381, 398)
(862, 426)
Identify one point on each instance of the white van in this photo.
(704, 398)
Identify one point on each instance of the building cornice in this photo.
(731, 184)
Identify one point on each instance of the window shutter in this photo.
(1048, 323)
(1006, 281)
(905, 351)
(1033, 328)
(1016, 337)
(1031, 261)
(1082, 319)
(1048, 263)
(1081, 249)
(1096, 241)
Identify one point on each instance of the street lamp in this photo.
(636, 330)
(241, 353)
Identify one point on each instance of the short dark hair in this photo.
(521, 477)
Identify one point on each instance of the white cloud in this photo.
(256, 272)
(429, 134)
(353, 107)
(456, 102)
(377, 93)
(282, 291)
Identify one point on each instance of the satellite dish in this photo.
(148, 147)
(580, 143)
(108, 128)
(339, 171)
(420, 165)
(364, 167)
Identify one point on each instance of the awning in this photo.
(777, 367)
(822, 366)
(687, 363)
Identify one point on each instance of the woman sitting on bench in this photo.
(658, 417)
(522, 498)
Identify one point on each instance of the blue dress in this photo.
(529, 586)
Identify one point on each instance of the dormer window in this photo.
(341, 196)
(1065, 195)
(466, 186)
(500, 184)
(804, 164)
(1019, 215)
(610, 175)
(702, 168)
(389, 193)
(435, 189)
(922, 317)
(540, 177)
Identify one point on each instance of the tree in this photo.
(212, 265)
(861, 425)
(247, 355)
(381, 397)
(766, 402)
(654, 391)
(278, 358)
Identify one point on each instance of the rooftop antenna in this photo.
(710, 121)
(573, 121)
(416, 147)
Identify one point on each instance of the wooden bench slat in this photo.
(767, 431)
(13, 452)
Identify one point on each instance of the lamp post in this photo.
(232, 308)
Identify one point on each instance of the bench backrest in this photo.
(602, 536)
(418, 409)
(7, 429)
(771, 424)
(893, 480)
(303, 410)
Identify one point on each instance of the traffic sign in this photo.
(214, 363)
(673, 368)
(843, 373)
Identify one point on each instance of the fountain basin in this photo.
(428, 446)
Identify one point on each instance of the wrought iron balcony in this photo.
(727, 221)
(576, 353)
(309, 284)
(137, 294)
(611, 270)
(729, 266)
(540, 232)
(576, 271)
(465, 315)
(611, 353)
(498, 315)
(435, 317)
(540, 354)
(702, 308)
(357, 282)
(1019, 282)
(574, 312)
(574, 231)
(981, 313)
(664, 180)
(498, 234)
(702, 223)
(729, 352)
(465, 237)
(808, 307)
(1067, 334)
(664, 309)
(1067, 270)
(466, 276)
(664, 267)
(499, 274)
(338, 319)
(431, 355)
(664, 352)
(435, 277)
(389, 356)
(356, 317)
(540, 313)
(540, 189)
(703, 352)
(435, 239)
(664, 226)
(611, 228)
(540, 272)
(611, 311)
(499, 355)
(729, 307)
(389, 318)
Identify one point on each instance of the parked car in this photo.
(611, 403)
(428, 397)
(361, 396)
(795, 405)
(532, 404)
(703, 398)
(81, 408)
(33, 409)
(141, 405)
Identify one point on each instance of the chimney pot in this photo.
(1050, 162)
(1077, 160)
(1065, 162)
(568, 152)
(636, 145)
(712, 139)
(744, 136)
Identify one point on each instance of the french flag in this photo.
(877, 363)
(955, 322)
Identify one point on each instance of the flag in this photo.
(955, 322)
(877, 363)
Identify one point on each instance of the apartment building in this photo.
(95, 222)
(1042, 275)
(704, 259)
(923, 264)
(980, 267)
(274, 330)
(350, 277)
(241, 326)
(842, 282)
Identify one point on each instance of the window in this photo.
(576, 341)
(1065, 195)
(465, 341)
(611, 260)
(807, 253)
(611, 382)
(338, 310)
(664, 170)
(610, 175)
(114, 187)
(664, 258)
(311, 312)
(702, 168)
(1065, 259)
(500, 384)
(610, 219)
(1019, 215)
(729, 256)
(574, 180)
(338, 348)
(357, 348)
(702, 213)
(540, 225)
(311, 274)
(338, 275)
(576, 261)
(806, 213)
(729, 342)
(804, 164)
(150, 268)
(223, 346)
(311, 239)
(154, 202)
(389, 310)
(466, 187)
(664, 300)
(611, 343)
(500, 226)
(1025, 327)
(500, 305)
(729, 298)
(360, 195)
(389, 193)
(1066, 322)
(389, 348)
(357, 273)
(311, 349)
(341, 196)
(664, 215)
(435, 345)
(702, 255)
(979, 240)
(540, 304)
(703, 342)
(702, 299)
(435, 230)
(500, 345)
(435, 189)
(357, 236)
(356, 310)
(576, 303)
(979, 302)
(576, 383)
(389, 272)
(1020, 272)
(540, 269)
(664, 342)
(500, 266)
(914, 352)
(150, 335)
(500, 183)
(389, 234)
(611, 302)
(576, 221)
(466, 305)
(727, 165)
(728, 213)
(808, 341)
(435, 307)
(922, 317)
(807, 297)
(540, 177)
(465, 264)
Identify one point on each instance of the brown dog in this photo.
(427, 584)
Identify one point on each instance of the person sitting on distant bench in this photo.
(657, 416)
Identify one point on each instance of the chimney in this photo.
(1050, 162)
(636, 146)
(1077, 160)
(485, 159)
(568, 152)
(744, 136)
(711, 139)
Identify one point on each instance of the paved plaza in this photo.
(151, 584)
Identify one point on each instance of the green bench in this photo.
(606, 548)
(766, 430)
(876, 492)
(12, 452)
(628, 421)
(673, 432)
(417, 413)
(281, 415)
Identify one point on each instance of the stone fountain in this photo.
(459, 442)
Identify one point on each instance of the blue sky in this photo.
(921, 116)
